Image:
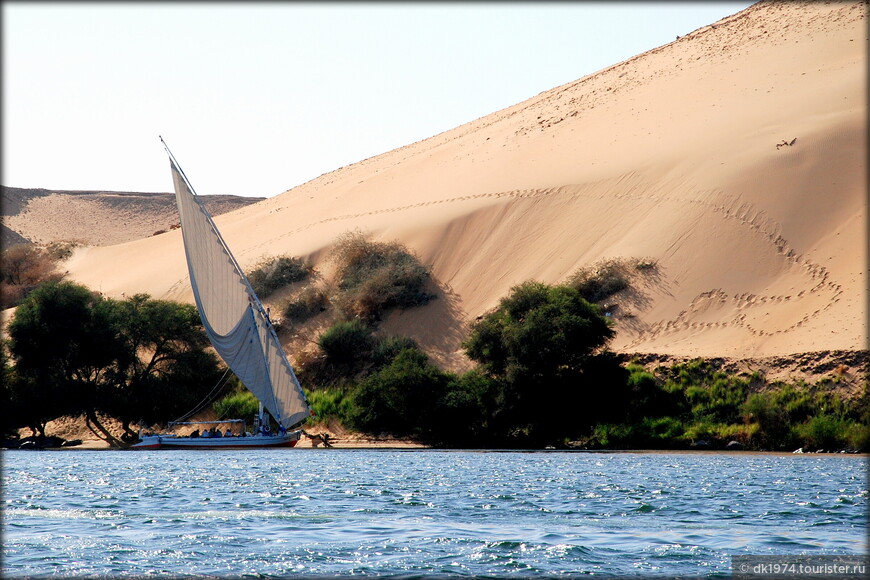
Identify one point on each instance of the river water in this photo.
(269, 513)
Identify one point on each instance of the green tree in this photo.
(543, 346)
(400, 398)
(64, 341)
(13, 411)
(77, 352)
(163, 368)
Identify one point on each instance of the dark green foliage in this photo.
(64, 340)
(709, 394)
(537, 332)
(400, 398)
(349, 351)
(823, 432)
(541, 349)
(374, 277)
(648, 397)
(788, 416)
(774, 423)
(692, 401)
(648, 433)
(542, 378)
(272, 274)
(385, 350)
(347, 348)
(16, 400)
(164, 370)
(461, 413)
(77, 352)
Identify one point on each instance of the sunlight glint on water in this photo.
(342, 512)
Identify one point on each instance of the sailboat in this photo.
(240, 330)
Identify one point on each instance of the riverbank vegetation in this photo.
(76, 352)
(544, 378)
(544, 375)
(693, 405)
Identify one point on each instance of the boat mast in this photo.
(252, 296)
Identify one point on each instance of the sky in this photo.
(256, 98)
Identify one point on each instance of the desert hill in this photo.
(95, 218)
(733, 157)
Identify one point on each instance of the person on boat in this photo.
(216, 433)
(194, 433)
(228, 433)
(206, 433)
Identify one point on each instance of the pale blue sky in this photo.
(257, 98)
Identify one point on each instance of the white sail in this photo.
(233, 316)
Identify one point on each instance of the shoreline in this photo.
(396, 445)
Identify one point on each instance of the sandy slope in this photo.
(761, 250)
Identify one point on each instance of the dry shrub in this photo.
(376, 276)
(271, 274)
(607, 277)
(24, 267)
(309, 302)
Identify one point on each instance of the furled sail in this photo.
(234, 318)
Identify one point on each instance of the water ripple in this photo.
(295, 512)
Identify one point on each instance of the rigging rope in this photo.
(207, 399)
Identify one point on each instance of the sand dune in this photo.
(675, 154)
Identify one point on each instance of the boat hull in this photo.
(154, 442)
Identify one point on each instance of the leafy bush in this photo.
(400, 398)
(543, 344)
(349, 351)
(330, 403)
(858, 436)
(272, 274)
(831, 432)
(374, 277)
(460, 416)
(819, 432)
(241, 404)
(614, 435)
(648, 397)
(718, 434)
(347, 346)
(386, 349)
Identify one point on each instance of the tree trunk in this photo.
(91, 417)
(127, 431)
